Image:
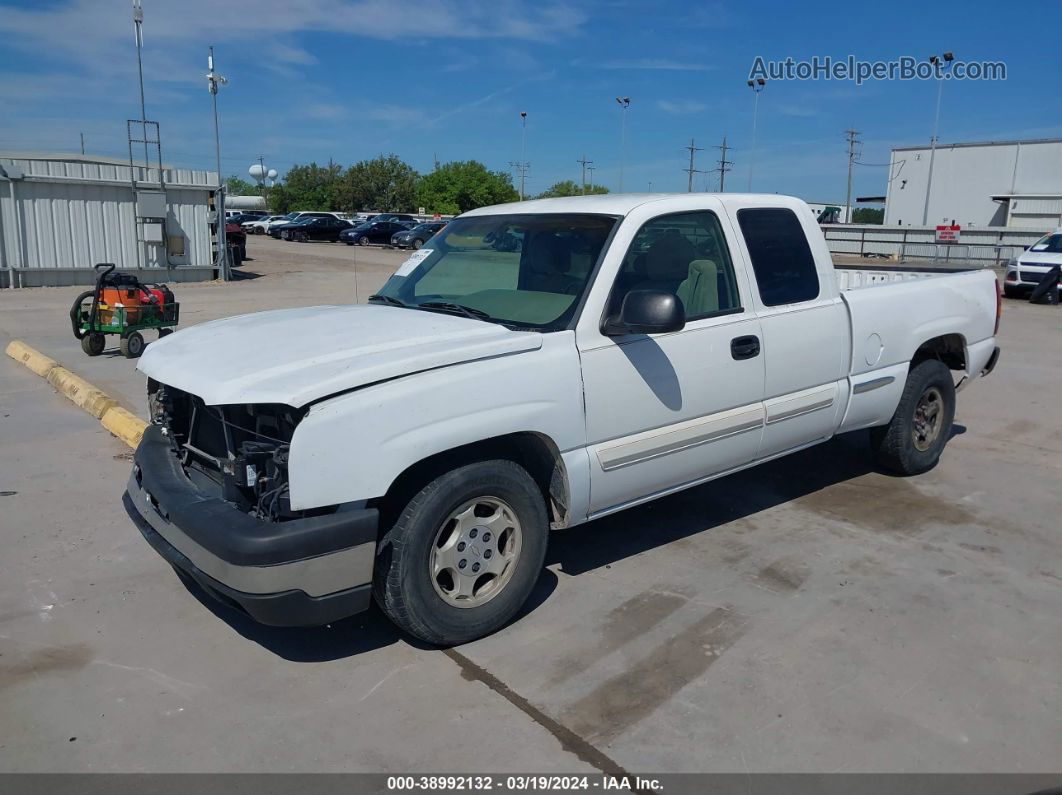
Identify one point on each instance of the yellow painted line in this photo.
(123, 424)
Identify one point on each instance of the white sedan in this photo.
(260, 226)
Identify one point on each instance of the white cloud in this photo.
(681, 107)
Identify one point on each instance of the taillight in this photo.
(999, 308)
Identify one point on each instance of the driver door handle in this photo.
(745, 347)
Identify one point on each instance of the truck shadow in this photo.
(352, 636)
(591, 546)
(703, 508)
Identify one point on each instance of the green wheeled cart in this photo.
(120, 304)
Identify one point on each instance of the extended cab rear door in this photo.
(667, 410)
(803, 321)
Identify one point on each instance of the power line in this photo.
(693, 149)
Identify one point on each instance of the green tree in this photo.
(385, 183)
(461, 186)
(240, 187)
(568, 187)
(311, 187)
(868, 215)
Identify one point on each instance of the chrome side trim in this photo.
(680, 436)
(796, 405)
(872, 384)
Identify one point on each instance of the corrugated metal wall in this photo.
(65, 215)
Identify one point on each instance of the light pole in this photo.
(138, 25)
(213, 81)
(941, 69)
(523, 151)
(757, 87)
(624, 102)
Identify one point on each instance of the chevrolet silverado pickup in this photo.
(536, 366)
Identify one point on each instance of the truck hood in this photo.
(297, 356)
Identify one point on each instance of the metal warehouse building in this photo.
(1015, 184)
(61, 214)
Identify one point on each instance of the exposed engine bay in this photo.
(236, 452)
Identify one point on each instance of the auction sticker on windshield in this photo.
(414, 260)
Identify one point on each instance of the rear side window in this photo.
(781, 257)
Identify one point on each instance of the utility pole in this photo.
(82, 143)
(693, 149)
(138, 27)
(591, 170)
(724, 164)
(584, 162)
(853, 142)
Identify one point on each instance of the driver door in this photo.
(666, 410)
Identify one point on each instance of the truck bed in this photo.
(850, 277)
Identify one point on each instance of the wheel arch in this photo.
(947, 348)
(536, 452)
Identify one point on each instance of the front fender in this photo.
(353, 446)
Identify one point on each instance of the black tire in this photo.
(132, 345)
(897, 445)
(93, 343)
(363, 241)
(259, 230)
(165, 332)
(417, 242)
(403, 585)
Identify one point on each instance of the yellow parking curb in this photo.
(123, 424)
(126, 426)
(34, 360)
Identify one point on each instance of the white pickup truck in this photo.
(539, 365)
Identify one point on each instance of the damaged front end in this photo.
(239, 452)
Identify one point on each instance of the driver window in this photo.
(685, 254)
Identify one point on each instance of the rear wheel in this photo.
(132, 345)
(915, 437)
(464, 554)
(92, 343)
(363, 241)
(417, 242)
(259, 230)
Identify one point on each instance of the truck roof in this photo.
(612, 203)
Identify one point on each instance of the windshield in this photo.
(1051, 244)
(527, 271)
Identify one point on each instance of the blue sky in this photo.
(349, 79)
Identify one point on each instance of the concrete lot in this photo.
(807, 615)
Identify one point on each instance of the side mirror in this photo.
(647, 312)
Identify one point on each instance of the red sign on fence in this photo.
(948, 234)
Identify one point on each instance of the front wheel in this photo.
(417, 242)
(915, 437)
(92, 343)
(363, 241)
(464, 554)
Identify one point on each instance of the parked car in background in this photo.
(417, 236)
(259, 225)
(372, 232)
(405, 217)
(275, 230)
(317, 229)
(1028, 269)
(235, 236)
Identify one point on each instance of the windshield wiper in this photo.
(386, 299)
(455, 309)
